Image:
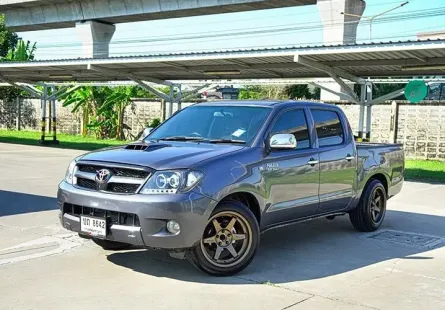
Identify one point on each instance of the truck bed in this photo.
(385, 158)
(374, 144)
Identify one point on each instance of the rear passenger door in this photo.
(291, 176)
(337, 160)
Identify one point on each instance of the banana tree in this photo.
(111, 113)
(86, 100)
(102, 109)
(22, 52)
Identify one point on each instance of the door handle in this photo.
(349, 157)
(313, 162)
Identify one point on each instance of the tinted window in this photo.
(329, 129)
(294, 122)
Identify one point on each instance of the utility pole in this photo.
(371, 18)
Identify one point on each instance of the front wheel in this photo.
(371, 210)
(229, 242)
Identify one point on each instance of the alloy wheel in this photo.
(377, 205)
(227, 239)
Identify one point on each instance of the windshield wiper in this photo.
(181, 138)
(227, 141)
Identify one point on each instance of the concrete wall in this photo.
(420, 127)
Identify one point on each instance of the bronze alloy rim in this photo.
(227, 239)
(377, 205)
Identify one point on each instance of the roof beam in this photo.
(153, 90)
(129, 75)
(239, 63)
(197, 90)
(333, 91)
(347, 89)
(331, 71)
(411, 54)
(386, 97)
(30, 89)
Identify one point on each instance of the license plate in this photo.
(93, 226)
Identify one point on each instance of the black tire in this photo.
(245, 224)
(365, 216)
(111, 245)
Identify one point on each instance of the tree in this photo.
(8, 39)
(86, 100)
(103, 108)
(298, 91)
(21, 52)
(11, 48)
(251, 92)
(257, 92)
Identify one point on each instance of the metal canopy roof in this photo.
(408, 58)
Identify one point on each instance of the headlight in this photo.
(69, 175)
(171, 182)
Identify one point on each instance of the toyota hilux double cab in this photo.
(209, 180)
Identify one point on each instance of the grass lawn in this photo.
(425, 170)
(66, 141)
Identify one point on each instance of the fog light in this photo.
(173, 227)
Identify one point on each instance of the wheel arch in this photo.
(246, 198)
(380, 177)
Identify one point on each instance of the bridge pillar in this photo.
(339, 29)
(95, 37)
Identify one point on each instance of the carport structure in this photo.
(345, 64)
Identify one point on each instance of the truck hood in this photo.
(161, 156)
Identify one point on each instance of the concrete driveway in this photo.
(315, 265)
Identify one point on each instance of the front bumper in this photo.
(191, 210)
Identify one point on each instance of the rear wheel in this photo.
(111, 245)
(371, 210)
(229, 242)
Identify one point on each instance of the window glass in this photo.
(329, 129)
(294, 122)
(214, 122)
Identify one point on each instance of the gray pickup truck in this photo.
(207, 182)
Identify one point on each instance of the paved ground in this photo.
(318, 265)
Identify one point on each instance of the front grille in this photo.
(123, 180)
(120, 172)
(112, 217)
(122, 188)
(85, 183)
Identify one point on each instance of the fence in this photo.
(419, 127)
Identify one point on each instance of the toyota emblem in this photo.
(103, 176)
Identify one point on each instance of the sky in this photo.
(302, 27)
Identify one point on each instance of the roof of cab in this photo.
(261, 103)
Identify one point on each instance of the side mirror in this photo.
(145, 133)
(283, 142)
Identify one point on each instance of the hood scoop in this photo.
(145, 146)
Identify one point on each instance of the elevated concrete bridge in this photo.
(27, 15)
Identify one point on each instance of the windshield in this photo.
(237, 123)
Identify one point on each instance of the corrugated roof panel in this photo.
(171, 63)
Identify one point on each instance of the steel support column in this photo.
(43, 105)
(179, 98)
(368, 110)
(362, 111)
(170, 102)
(54, 114)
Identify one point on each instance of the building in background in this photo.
(222, 93)
(432, 35)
